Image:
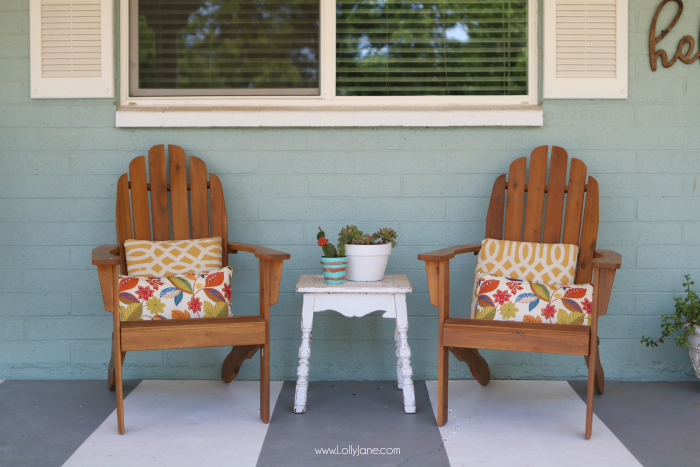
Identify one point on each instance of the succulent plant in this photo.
(385, 235)
(350, 232)
(364, 239)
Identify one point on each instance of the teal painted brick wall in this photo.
(59, 162)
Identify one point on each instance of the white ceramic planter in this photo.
(366, 263)
(694, 341)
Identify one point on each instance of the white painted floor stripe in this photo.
(524, 423)
(182, 423)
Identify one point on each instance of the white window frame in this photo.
(327, 109)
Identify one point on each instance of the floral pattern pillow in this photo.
(507, 299)
(204, 295)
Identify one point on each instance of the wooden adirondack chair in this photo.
(463, 337)
(246, 334)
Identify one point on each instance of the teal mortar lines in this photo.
(59, 162)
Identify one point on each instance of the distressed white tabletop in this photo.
(391, 284)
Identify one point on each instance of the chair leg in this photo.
(111, 371)
(443, 379)
(265, 383)
(589, 395)
(120, 392)
(599, 373)
(234, 360)
(476, 363)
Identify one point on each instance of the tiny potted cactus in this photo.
(333, 261)
(367, 254)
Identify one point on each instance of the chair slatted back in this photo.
(518, 205)
(180, 216)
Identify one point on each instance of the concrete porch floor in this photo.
(52, 423)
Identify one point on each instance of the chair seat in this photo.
(177, 334)
(513, 335)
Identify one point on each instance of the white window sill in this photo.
(356, 116)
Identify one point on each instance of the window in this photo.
(305, 57)
(380, 48)
(431, 48)
(224, 47)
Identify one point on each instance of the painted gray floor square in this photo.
(43, 422)
(657, 421)
(368, 414)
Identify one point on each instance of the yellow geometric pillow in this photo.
(172, 257)
(546, 263)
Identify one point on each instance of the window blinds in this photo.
(220, 47)
(400, 48)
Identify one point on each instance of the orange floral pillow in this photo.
(508, 299)
(205, 295)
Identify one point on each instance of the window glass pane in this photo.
(244, 46)
(405, 48)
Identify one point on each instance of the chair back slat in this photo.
(536, 184)
(139, 199)
(589, 234)
(132, 196)
(497, 206)
(219, 222)
(199, 198)
(124, 226)
(515, 199)
(581, 198)
(574, 202)
(159, 193)
(556, 189)
(179, 205)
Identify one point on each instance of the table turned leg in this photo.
(409, 397)
(307, 317)
(399, 370)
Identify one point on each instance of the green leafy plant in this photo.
(685, 318)
(330, 251)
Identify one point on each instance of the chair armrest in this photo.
(259, 251)
(107, 260)
(449, 253)
(607, 259)
(106, 255)
(275, 260)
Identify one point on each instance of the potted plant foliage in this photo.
(367, 254)
(333, 261)
(686, 319)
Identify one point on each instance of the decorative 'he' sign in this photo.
(686, 57)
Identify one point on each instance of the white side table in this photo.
(356, 299)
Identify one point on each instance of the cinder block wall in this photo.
(60, 159)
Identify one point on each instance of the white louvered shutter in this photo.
(585, 49)
(71, 52)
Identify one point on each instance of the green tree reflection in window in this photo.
(404, 48)
(228, 44)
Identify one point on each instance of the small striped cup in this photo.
(334, 269)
